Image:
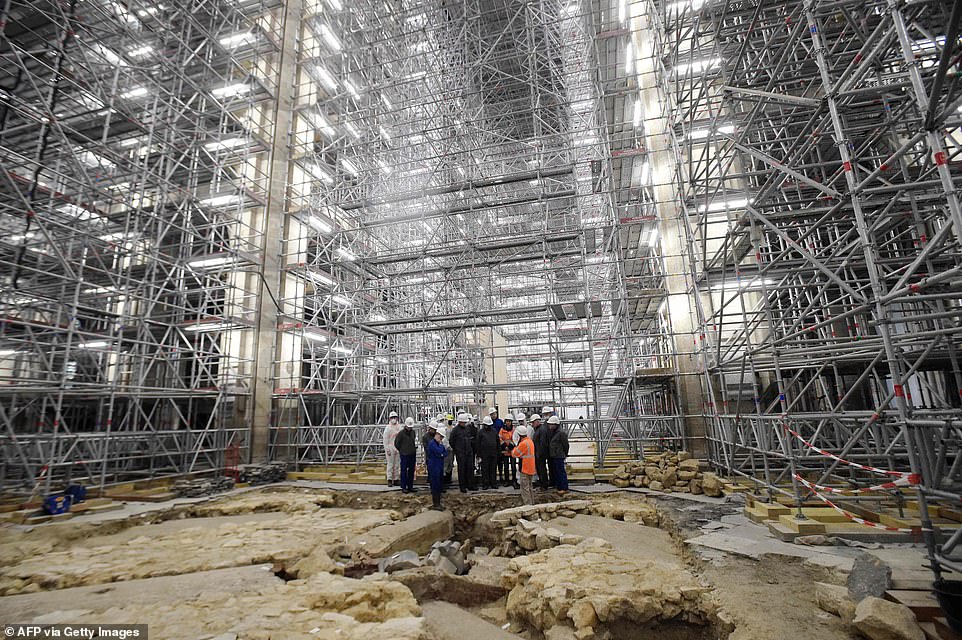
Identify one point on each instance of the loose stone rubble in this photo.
(256, 474)
(201, 487)
(668, 471)
(592, 588)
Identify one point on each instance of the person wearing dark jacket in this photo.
(541, 438)
(489, 448)
(507, 465)
(435, 455)
(462, 444)
(407, 445)
(557, 452)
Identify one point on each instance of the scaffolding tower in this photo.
(811, 158)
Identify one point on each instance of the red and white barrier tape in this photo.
(910, 480)
(853, 518)
(911, 477)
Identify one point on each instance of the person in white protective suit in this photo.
(391, 455)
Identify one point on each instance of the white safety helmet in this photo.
(393, 414)
(439, 417)
(533, 417)
(554, 420)
(509, 417)
(462, 417)
(519, 418)
(487, 421)
(409, 422)
(433, 425)
(547, 409)
(522, 430)
(492, 410)
(443, 431)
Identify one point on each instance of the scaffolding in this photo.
(813, 153)
(135, 138)
(468, 228)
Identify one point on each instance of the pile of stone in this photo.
(263, 473)
(668, 472)
(202, 487)
(446, 556)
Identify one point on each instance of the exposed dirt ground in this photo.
(212, 555)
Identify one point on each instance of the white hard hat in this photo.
(487, 421)
(409, 421)
(519, 417)
(492, 410)
(433, 425)
(462, 417)
(439, 417)
(393, 414)
(509, 417)
(443, 431)
(554, 420)
(547, 409)
(533, 417)
(522, 430)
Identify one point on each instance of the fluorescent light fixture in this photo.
(387, 103)
(310, 335)
(320, 121)
(326, 78)
(341, 349)
(377, 317)
(353, 130)
(383, 166)
(347, 255)
(382, 360)
(622, 10)
(349, 166)
(320, 224)
(318, 172)
(351, 89)
(570, 8)
(107, 54)
(721, 205)
(384, 133)
(7, 352)
(636, 113)
(97, 344)
(663, 306)
(335, 4)
(139, 52)
(224, 200)
(231, 90)
(22, 237)
(330, 37)
(684, 5)
(131, 142)
(653, 238)
(93, 160)
(136, 92)
(317, 276)
(754, 283)
(77, 212)
(646, 173)
(100, 290)
(728, 128)
(225, 144)
(696, 66)
(699, 134)
(201, 327)
(629, 57)
(237, 39)
(212, 261)
(586, 141)
(341, 300)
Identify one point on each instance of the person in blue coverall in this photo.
(435, 462)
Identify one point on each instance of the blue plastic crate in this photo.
(53, 505)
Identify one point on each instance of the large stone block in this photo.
(879, 619)
(417, 533)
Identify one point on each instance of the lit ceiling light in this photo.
(311, 335)
(8, 352)
(136, 92)
(318, 172)
(721, 205)
(77, 212)
(570, 8)
(663, 306)
(225, 144)
(131, 142)
(646, 173)
(107, 54)
(629, 57)
(349, 166)
(378, 317)
(622, 10)
(684, 5)
(697, 65)
(383, 166)
(93, 160)
(343, 350)
(210, 262)
(202, 327)
(22, 237)
(387, 103)
(237, 39)
(353, 130)
(330, 37)
(231, 90)
(351, 89)
(319, 224)
(326, 78)
(97, 344)
(384, 133)
(320, 121)
(636, 113)
(335, 4)
(324, 279)
(341, 300)
(653, 238)
(94, 291)
(223, 200)
(140, 52)
(347, 255)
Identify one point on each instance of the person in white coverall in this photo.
(391, 454)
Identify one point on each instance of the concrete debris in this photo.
(255, 474)
(870, 576)
(201, 487)
(879, 619)
(401, 560)
(671, 472)
(447, 556)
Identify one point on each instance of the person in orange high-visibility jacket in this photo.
(525, 452)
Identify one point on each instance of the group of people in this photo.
(508, 452)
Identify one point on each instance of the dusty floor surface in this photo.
(204, 570)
